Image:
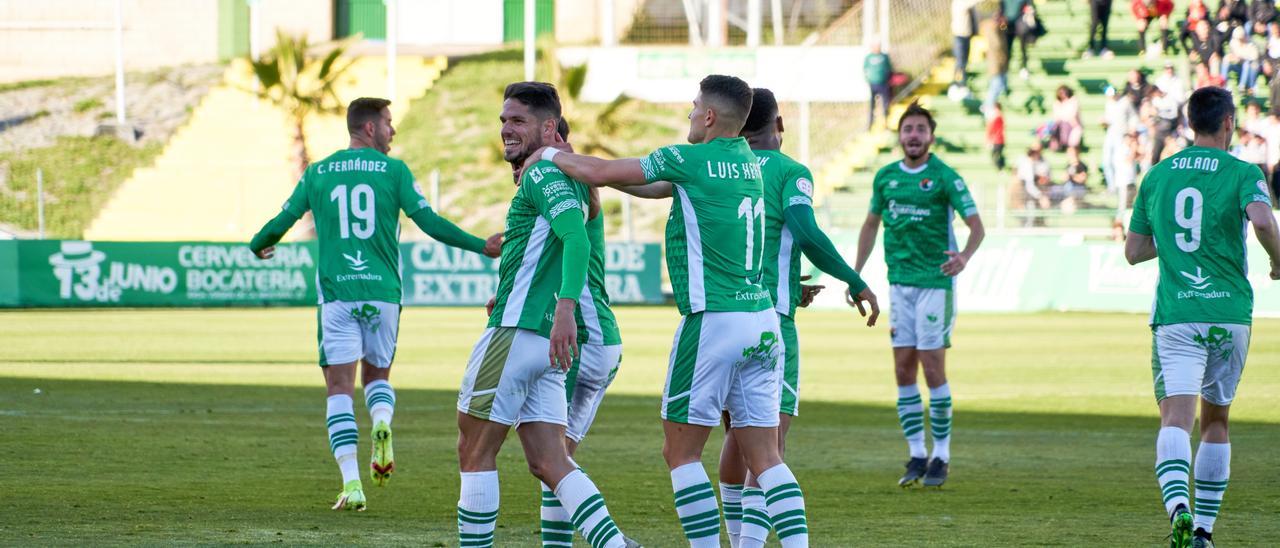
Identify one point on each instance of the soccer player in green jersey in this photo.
(728, 345)
(789, 228)
(916, 199)
(1192, 214)
(600, 354)
(356, 195)
(516, 374)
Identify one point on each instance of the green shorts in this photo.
(790, 404)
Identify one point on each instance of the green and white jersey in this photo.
(596, 322)
(1193, 205)
(918, 207)
(529, 271)
(715, 233)
(786, 183)
(356, 196)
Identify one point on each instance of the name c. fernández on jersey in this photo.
(353, 164)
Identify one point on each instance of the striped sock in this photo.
(340, 418)
(940, 421)
(911, 417)
(583, 501)
(380, 398)
(786, 506)
(477, 509)
(1173, 467)
(731, 501)
(1213, 469)
(696, 505)
(557, 530)
(755, 518)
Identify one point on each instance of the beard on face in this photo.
(527, 146)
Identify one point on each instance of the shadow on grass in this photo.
(121, 462)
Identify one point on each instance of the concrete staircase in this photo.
(228, 170)
(961, 136)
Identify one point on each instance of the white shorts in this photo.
(353, 331)
(585, 384)
(1198, 359)
(509, 379)
(921, 317)
(725, 361)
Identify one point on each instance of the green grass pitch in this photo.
(206, 427)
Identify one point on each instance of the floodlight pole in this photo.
(608, 36)
(775, 6)
(255, 36)
(884, 25)
(393, 33)
(868, 22)
(530, 28)
(120, 118)
(715, 23)
(754, 26)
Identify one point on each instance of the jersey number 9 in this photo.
(361, 207)
(1187, 212)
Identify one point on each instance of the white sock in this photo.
(343, 436)
(1213, 469)
(911, 417)
(731, 502)
(696, 505)
(1173, 467)
(380, 398)
(786, 506)
(755, 516)
(478, 509)
(940, 421)
(557, 529)
(583, 501)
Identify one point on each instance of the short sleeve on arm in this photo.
(669, 163)
(410, 192)
(550, 191)
(798, 190)
(877, 196)
(959, 196)
(1253, 187)
(1140, 221)
(297, 204)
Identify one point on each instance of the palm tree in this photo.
(300, 83)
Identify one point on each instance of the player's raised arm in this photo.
(439, 228)
(264, 242)
(653, 191)
(591, 170)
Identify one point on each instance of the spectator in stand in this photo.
(997, 58)
(1232, 14)
(877, 69)
(1124, 163)
(1076, 185)
(1252, 149)
(1015, 13)
(1241, 58)
(1253, 120)
(1168, 111)
(1136, 88)
(1270, 62)
(1269, 129)
(1099, 17)
(1171, 84)
(1036, 178)
(1066, 130)
(964, 24)
(1145, 11)
(1261, 14)
(995, 134)
(1119, 118)
(1206, 78)
(1206, 46)
(1197, 11)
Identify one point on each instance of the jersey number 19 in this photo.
(361, 203)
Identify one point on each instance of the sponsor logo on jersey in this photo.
(926, 184)
(805, 186)
(558, 187)
(562, 207)
(960, 185)
(896, 210)
(893, 183)
(675, 152)
(535, 175)
(417, 187)
(357, 263)
(1198, 280)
